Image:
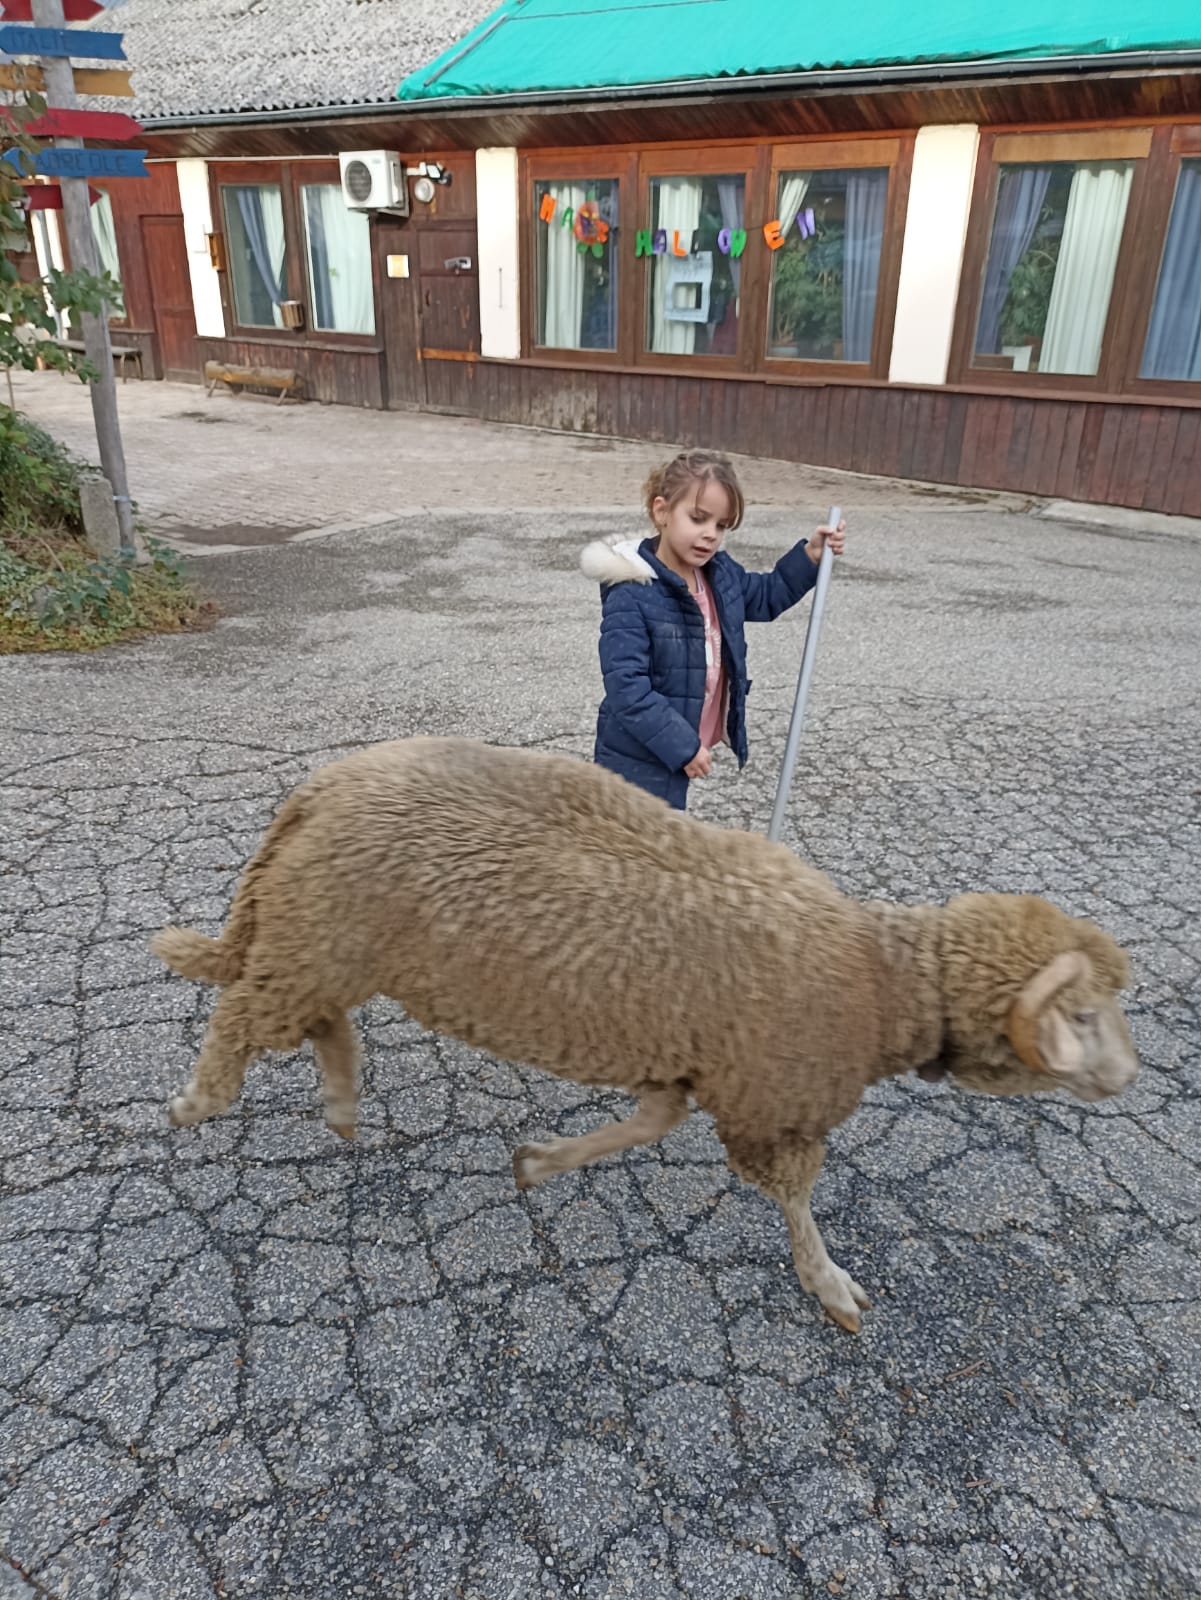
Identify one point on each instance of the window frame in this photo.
(291, 177)
(895, 152)
(1171, 147)
(570, 167)
(711, 161)
(1047, 146)
(760, 160)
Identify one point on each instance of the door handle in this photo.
(457, 264)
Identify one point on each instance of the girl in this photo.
(672, 647)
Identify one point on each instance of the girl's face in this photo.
(692, 530)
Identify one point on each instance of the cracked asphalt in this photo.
(251, 1360)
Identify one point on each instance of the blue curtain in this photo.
(323, 300)
(1173, 348)
(867, 197)
(250, 205)
(1020, 196)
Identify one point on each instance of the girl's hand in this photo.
(700, 764)
(836, 536)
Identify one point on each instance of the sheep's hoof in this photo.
(529, 1165)
(845, 1319)
(344, 1130)
(843, 1299)
(182, 1113)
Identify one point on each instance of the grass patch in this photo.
(55, 593)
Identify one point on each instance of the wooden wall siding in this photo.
(1145, 456)
(1053, 99)
(335, 376)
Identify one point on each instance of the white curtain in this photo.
(106, 236)
(564, 280)
(339, 262)
(794, 186)
(1088, 256)
(273, 228)
(679, 212)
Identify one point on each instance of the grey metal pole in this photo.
(825, 567)
(60, 95)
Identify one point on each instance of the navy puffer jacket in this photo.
(652, 653)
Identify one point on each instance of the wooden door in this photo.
(398, 302)
(450, 290)
(171, 296)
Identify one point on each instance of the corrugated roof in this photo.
(202, 57)
(540, 46)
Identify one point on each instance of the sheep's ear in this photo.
(1040, 1038)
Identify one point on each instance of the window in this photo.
(696, 278)
(576, 249)
(826, 274)
(1173, 346)
(1052, 254)
(257, 252)
(338, 245)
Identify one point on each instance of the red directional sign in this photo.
(73, 10)
(49, 196)
(56, 123)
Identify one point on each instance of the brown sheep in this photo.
(546, 911)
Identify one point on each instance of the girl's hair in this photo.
(689, 471)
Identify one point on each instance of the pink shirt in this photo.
(712, 730)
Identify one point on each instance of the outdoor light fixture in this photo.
(424, 190)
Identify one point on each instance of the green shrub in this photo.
(39, 479)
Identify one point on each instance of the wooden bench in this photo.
(286, 379)
(123, 353)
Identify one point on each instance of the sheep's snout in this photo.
(1091, 1051)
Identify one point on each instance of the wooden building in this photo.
(943, 246)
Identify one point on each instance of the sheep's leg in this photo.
(790, 1188)
(220, 1068)
(337, 1049)
(659, 1110)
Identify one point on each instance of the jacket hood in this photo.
(615, 560)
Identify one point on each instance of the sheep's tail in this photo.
(194, 955)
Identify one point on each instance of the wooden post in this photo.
(60, 95)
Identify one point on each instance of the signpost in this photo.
(88, 80)
(56, 45)
(72, 161)
(49, 196)
(73, 10)
(18, 40)
(62, 124)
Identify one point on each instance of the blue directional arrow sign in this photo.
(74, 163)
(18, 40)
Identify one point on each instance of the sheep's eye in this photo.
(1086, 1019)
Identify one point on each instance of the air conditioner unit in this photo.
(374, 180)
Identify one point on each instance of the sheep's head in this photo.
(1059, 1025)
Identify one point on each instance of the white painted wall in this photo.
(197, 221)
(497, 212)
(940, 192)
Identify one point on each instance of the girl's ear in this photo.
(659, 510)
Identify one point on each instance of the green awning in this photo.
(547, 46)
